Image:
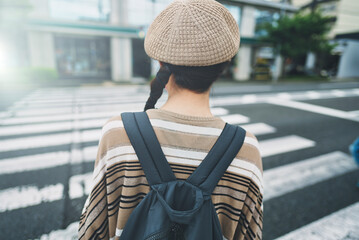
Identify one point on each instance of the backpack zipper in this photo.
(159, 235)
(175, 228)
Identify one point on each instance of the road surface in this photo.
(49, 138)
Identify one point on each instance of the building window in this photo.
(262, 17)
(143, 12)
(81, 10)
(83, 57)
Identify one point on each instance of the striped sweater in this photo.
(119, 183)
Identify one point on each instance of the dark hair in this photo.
(197, 79)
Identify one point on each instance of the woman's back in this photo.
(120, 184)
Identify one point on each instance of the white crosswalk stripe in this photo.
(316, 109)
(90, 113)
(25, 196)
(259, 128)
(291, 177)
(44, 160)
(235, 119)
(80, 185)
(342, 224)
(81, 114)
(295, 96)
(284, 144)
(33, 162)
(70, 233)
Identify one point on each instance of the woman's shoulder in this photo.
(174, 125)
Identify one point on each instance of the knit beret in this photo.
(193, 33)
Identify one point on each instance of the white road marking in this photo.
(316, 109)
(284, 95)
(338, 93)
(224, 101)
(49, 127)
(313, 94)
(218, 101)
(235, 119)
(67, 126)
(79, 99)
(46, 111)
(48, 140)
(287, 178)
(356, 91)
(219, 111)
(342, 224)
(25, 196)
(89, 153)
(46, 160)
(265, 97)
(259, 128)
(80, 185)
(283, 144)
(35, 128)
(34, 162)
(249, 98)
(354, 113)
(70, 233)
(35, 142)
(56, 118)
(4, 114)
(88, 102)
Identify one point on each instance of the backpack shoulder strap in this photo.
(148, 150)
(218, 159)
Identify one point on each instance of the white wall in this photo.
(121, 59)
(347, 17)
(243, 58)
(349, 61)
(42, 49)
(40, 9)
(121, 48)
(243, 70)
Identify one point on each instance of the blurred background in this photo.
(66, 66)
(103, 40)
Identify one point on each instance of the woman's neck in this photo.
(186, 102)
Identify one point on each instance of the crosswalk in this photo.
(53, 128)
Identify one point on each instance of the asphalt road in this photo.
(48, 140)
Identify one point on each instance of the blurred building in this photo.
(103, 39)
(345, 31)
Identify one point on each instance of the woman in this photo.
(194, 40)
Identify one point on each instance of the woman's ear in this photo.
(161, 64)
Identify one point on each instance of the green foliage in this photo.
(39, 74)
(295, 36)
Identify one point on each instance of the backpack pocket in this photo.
(181, 200)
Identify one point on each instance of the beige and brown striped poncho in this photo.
(119, 183)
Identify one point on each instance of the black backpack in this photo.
(177, 209)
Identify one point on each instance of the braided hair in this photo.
(157, 86)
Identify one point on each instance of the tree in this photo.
(293, 37)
